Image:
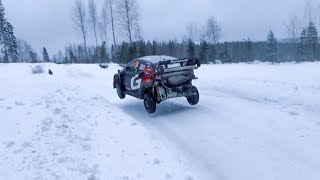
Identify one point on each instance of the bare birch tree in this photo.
(293, 27)
(212, 30)
(109, 6)
(103, 24)
(93, 18)
(79, 20)
(128, 17)
(193, 31)
(138, 33)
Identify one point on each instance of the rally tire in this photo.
(149, 103)
(120, 92)
(194, 99)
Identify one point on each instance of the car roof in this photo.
(156, 59)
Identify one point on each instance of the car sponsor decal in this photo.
(135, 82)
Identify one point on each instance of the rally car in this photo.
(157, 78)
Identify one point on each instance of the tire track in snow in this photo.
(160, 123)
(170, 137)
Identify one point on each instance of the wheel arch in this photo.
(145, 90)
(116, 80)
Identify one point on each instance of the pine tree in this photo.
(191, 51)
(132, 52)
(249, 48)
(225, 55)
(154, 48)
(12, 43)
(7, 38)
(4, 39)
(123, 53)
(2, 33)
(302, 47)
(34, 57)
(45, 55)
(2, 21)
(203, 55)
(93, 53)
(171, 48)
(66, 60)
(212, 54)
(2, 13)
(73, 58)
(114, 53)
(312, 41)
(272, 48)
(141, 49)
(103, 53)
(6, 58)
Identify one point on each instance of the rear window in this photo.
(142, 67)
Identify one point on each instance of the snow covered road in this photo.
(253, 122)
(256, 121)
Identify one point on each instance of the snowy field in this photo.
(253, 122)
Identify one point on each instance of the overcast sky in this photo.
(48, 22)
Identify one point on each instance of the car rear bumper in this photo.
(164, 93)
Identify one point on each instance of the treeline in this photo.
(78, 54)
(306, 48)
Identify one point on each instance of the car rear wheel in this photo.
(149, 103)
(120, 92)
(194, 99)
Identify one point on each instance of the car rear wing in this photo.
(178, 65)
(183, 62)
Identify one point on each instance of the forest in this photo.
(118, 38)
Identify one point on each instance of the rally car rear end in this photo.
(174, 79)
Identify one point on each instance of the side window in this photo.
(142, 67)
(130, 66)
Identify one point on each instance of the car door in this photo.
(129, 72)
(134, 77)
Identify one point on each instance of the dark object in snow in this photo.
(154, 79)
(104, 66)
(50, 72)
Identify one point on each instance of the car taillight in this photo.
(149, 70)
(149, 75)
